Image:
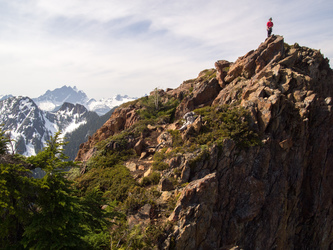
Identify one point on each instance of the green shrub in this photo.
(226, 122)
(161, 113)
(177, 172)
(143, 238)
(105, 159)
(114, 182)
(155, 234)
(121, 139)
(202, 155)
(226, 69)
(172, 204)
(160, 166)
(152, 179)
(138, 197)
(158, 163)
(176, 138)
(208, 74)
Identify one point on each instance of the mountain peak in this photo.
(253, 166)
(53, 99)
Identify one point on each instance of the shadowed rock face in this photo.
(277, 195)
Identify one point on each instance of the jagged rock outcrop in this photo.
(276, 195)
(198, 199)
(120, 119)
(203, 94)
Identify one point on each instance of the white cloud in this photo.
(107, 47)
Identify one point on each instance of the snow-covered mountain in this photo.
(4, 97)
(31, 122)
(105, 105)
(30, 127)
(51, 100)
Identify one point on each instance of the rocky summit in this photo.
(250, 168)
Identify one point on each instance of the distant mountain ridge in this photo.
(52, 100)
(61, 95)
(4, 97)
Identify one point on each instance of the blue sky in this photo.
(107, 47)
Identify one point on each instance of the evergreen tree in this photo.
(16, 196)
(58, 224)
(3, 142)
(46, 213)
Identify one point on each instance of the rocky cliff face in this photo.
(120, 119)
(276, 195)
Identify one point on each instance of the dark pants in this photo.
(269, 32)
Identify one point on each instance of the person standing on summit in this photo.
(269, 27)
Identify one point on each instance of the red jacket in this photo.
(269, 24)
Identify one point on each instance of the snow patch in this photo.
(73, 126)
(47, 106)
(30, 149)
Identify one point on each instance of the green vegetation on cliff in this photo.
(226, 122)
(157, 111)
(106, 168)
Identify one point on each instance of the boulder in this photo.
(165, 138)
(197, 124)
(185, 174)
(139, 146)
(131, 166)
(286, 144)
(202, 95)
(166, 185)
(141, 168)
(148, 172)
(143, 155)
(142, 217)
